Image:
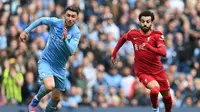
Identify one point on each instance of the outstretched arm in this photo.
(41, 21)
(121, 41)
(73, 43)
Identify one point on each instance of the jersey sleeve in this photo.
(41, 21)
(73, 43)
(160, 39)
(159, 48)
(127, 35)
(121, 41)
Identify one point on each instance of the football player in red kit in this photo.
(148, 47)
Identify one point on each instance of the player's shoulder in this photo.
(57, 22)
(54, 18)
(157, 33)
(133, 31)
(76, 28)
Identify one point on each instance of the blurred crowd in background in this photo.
(93, 80)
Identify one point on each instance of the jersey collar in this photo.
(143, 34)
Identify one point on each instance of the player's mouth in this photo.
(145, 29)
(69, 23)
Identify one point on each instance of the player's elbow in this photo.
(70, 51)
(162, 51)
(164, 55)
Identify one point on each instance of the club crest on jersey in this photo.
(69, 36)
(148, 39)
(162, 37)
(43, 74)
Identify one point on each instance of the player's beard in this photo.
(145, 29)
(68, 24)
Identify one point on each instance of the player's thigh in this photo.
(164, 85)
(56, 95)
(152, 84)
(46, 75)
(148, 81)
(165, 93)
(163, 82)
(60, 81)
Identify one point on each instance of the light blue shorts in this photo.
(59, 74)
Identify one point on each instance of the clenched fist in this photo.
(114, 60)
(23, 36)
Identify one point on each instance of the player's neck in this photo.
(145, 33)
(66, 26)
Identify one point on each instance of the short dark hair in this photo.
(72, 8)
(146, 13)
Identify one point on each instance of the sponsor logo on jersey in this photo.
(43, 74)
(134, 38)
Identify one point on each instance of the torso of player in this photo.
(55, 51)
(146, 61)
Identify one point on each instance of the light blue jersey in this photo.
(56, 52)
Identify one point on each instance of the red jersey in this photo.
(146, 61)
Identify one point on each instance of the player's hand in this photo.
(114, 60)
(64, 35)
(23, 36)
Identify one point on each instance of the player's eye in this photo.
(142, 21)
(73, 16)
(148, 21)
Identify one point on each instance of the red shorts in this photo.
(161, 78)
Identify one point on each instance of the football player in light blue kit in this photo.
(64, 36)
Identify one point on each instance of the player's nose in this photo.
(70, 18)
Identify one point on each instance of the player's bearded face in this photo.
(70, 18)
(145, 23)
